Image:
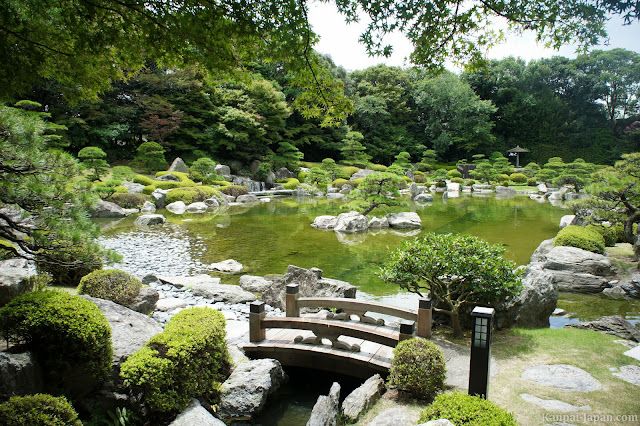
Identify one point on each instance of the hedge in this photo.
(38, 410)
(65, 332)
(580, 237)
(188, 360)
(462, 409)
(111, 284)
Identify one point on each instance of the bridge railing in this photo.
(422, 316)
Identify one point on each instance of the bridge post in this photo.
(256, 315)
(406, 330)
(424, 318)
(293, 292)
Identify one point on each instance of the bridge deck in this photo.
(279, 344)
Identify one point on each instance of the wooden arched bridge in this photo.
(334, 342)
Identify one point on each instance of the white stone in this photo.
(562, 376)
(566, 220)
(177, 207)
(634, 353)
(553, 404)
(198, 207)
(196, 414)
(404, 220)
(230, 266)
(629, 373)
(169, 304)
(324, 222)
(453, 187)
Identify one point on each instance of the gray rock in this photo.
(579, 270)
(245, 392)
(542, 187)
(416, 190)
(423, 198)
(346, 189)
(394, 417)
(222, 292)
(362, 398)
(557, 312)
(570, 196)
(133, 188)
(148, 207)
(540, 253)
(351, 223)
(159, 197)
(453, 187)
(567, 220)
(178, 166)
(168, 178)
(311, 285)
(616, 292)
(247, 198)
(324, 222)
(145, 301)
(230, 266)
(198, 207)
(505, 190)
(629, 373)
(284, 173)
(378, 223)
(270, 179)
(170, 303)
(335, 195)
(150, 219)
(326, 410)
(14, 279)
(223, 171)
(361, 174)
(535, 303)
(404, 220)
(553, 404)
(196, 415)
(20, 374)
(614, 325)
(107, 209)
(212, 203)
(632, 287)
(332, 190)
(562, 376)
(578, 282)
(439, 422)
(130, 330)
(481, 187)
(254, 284)
(177, 207)
(129, 212)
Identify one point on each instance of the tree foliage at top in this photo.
(376, 190)
(456, 270)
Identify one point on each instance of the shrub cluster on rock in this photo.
(462, 409)
(418, 367)
(129, 201)
(610, 234)
(68, 334)
(191, 194)
(291, 183)
(581, 237)
(38, 409)
(111, 284)
(234, 190)
(189, 359)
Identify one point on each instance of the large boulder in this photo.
(361, 174)
(229, 266)
(311, 284)
(404, 220)
(326, 411)
(453, 187)
(149, 219)
(178, 166)
(133, 188)
(247, 198)
(209, 287)
(535, 303)
(254, 284)
(14, 279)
(335, 195)
(415, 190)
(614, 324)
(362, 398)
(325, 222)
(378, 223)
(107, 209)
(168, 178)
(351, 223)
(196, 415)
(145, 301)
(177, 207)
(505, 190)
(20, 374)
(148, 208)
(130, 330)
(578, 270)
(223, 171)
(284, 173)
(244, 394)
(197, 207)
(158, 197)
(540, 253)
(423, 198)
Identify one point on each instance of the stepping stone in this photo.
(629, 373)
(553, 404)
(634, 353)
(562, 376)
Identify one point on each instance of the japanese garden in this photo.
(205, 221)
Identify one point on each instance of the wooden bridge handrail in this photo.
(334, 329)
(357, 305)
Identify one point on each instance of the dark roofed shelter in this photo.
(516, 151)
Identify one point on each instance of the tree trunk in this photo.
(455, 323)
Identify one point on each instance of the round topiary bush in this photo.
(454, 174)
(378, 167)
(66, 333)
(129, 201)
(518, 178)
(418, 367)
(234, 190)
(291, 183)
(457, 180)
(111, 284)
(188, 359)
(532, 182)
(38, 410)
(609, 233)
(350, 170)
(462, 409)
(580, 237)
(504, 178)
(338, 183)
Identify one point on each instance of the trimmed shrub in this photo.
(441, 184)
(503, 178)
(291, 183)
(469, 182)
(189, 359)
(457, 180)
(66, 333)
(190, 195)
(129, 201)
(407, 179)
(454, 173)
(221, 183)
(462, 409)
(356, 182)
(234, 190)
(419, 179)
(143, 180)
(38, 410)
(122, 172)
(581, 237)
(619, 228)
(111, 284)
(302, 176)
(517, 178)
(350, 170)
(418, 367)
(338, 183)
(609, 234)
(378, 168)
(532, 182)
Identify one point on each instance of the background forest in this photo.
(557, 107)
